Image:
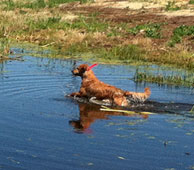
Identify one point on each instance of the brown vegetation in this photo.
(113, 30)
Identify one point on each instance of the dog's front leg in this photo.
(75, 94)
(81, 93)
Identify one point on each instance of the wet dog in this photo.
(93, 88)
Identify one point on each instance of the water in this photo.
(41, 129)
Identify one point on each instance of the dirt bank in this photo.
(140, 13)
(155, 31)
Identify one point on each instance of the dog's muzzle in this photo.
(75, 72)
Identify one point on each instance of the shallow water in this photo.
(41, 129)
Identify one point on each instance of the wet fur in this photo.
(91, 86)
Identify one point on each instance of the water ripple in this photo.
(37, 122)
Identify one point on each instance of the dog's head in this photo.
(80, 70)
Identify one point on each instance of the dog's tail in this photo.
(138, 97)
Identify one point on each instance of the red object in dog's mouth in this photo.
(93, 65)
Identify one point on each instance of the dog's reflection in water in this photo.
(90, 113)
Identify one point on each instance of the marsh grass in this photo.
(171, 6)
(12, 5)
(36, 4)
(181, 32)
(42, 22)
(179, 59)
(4, 47)
(191, 2)
(82, 23)
(169, 79)
(77, 48)
(151, 30)
(90, 24)
(54, 3)
(126, 54)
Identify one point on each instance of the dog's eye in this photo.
(82, 69)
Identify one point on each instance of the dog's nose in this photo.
(74, 72)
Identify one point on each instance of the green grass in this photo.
(51, 22)
(151, 30)
(191, 2)
(78, 49)
(54, 3)
(4, 46)
(82, 23)
(37, 4)
(90, 24)
(125, 53)
(181, 32)
(177, 80)
(11, 5)
(43, 23)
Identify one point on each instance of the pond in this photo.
(40, 128)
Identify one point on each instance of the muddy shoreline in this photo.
(111, 30)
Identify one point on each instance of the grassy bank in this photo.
(184, 79)
(54, 24)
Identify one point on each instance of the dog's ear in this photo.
(85, 67)
(82, 68)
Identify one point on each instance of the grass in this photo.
(44, 23)
(151, 30)
(4, 47)
(90, 24)
(81, 23)
(127, 53)
(181, 32)
(171, 6)
(41, 24)
(180, 59)
(36, 4)
(169, 79)
(191, 2)
(12, 5)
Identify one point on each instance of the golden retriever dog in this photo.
(92, 87)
